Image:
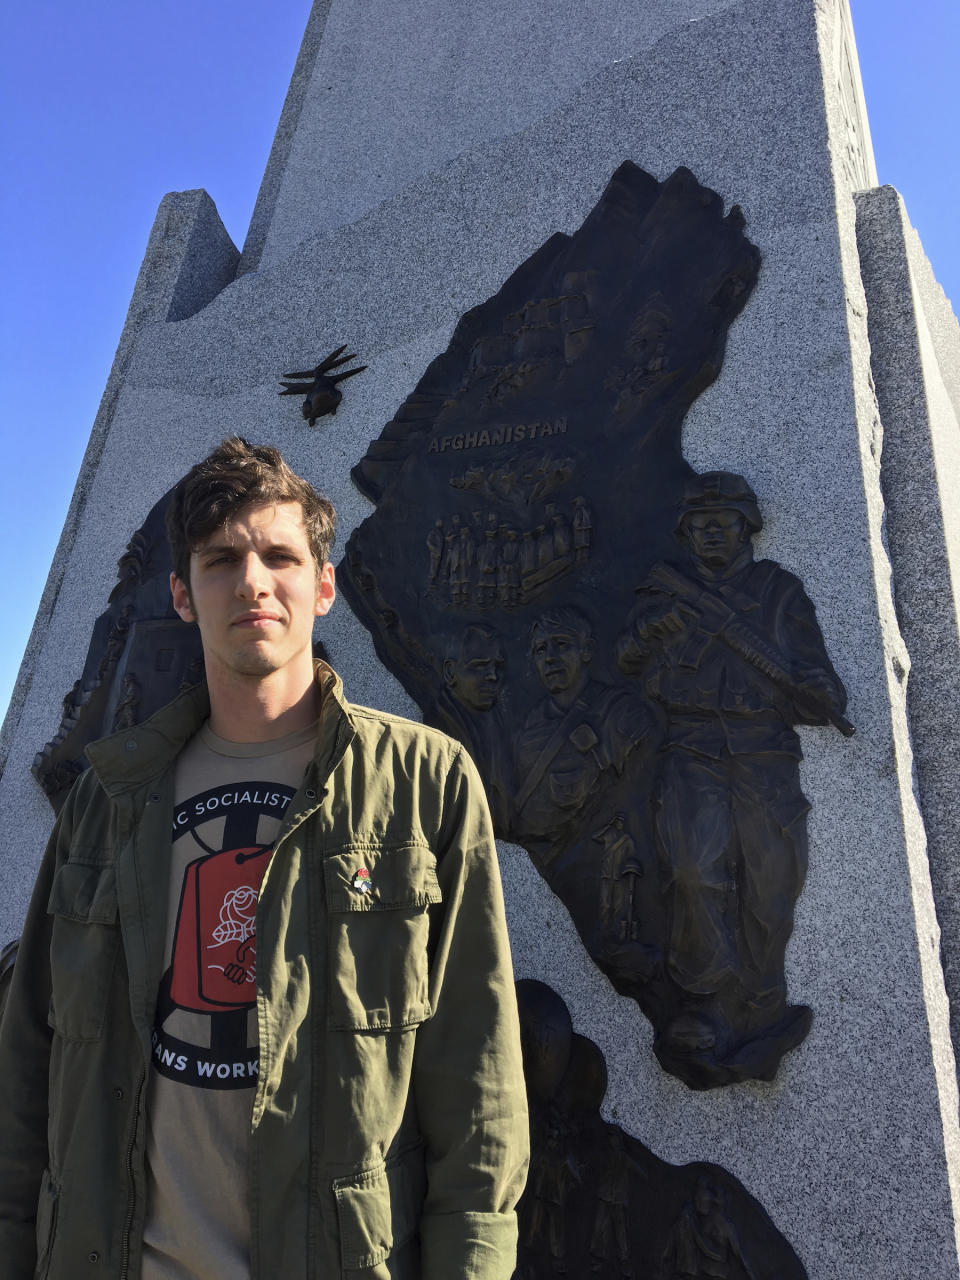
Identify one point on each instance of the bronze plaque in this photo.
(556, 588)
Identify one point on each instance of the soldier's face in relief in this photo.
(474, 679)
(254, 592)
(559, 659)
(715, 537)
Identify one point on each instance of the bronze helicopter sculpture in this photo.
(319, 385)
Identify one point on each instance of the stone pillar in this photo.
(915, 360)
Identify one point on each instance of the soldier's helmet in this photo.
(720, 491)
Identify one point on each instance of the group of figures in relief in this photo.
(626, 674)
(670, 794)
(486, 561)
(600, 1203)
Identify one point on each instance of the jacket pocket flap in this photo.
(378, 878)
(379, 1211)
(84, 893)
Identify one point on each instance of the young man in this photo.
(262, 1023)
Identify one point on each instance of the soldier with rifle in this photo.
(730, 648)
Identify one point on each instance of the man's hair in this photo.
(477, 632)
(232, 477)
(567, 619)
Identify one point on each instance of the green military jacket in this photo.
(389, 1128)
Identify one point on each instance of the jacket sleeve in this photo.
(468, 1069)
(25, 1040)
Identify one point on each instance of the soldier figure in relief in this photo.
(620, 870)
(435, 545)
(582, 529)
(704, 1243)
(580, 734)
(487, 557)
(731, 650)
(468, 705)
(610, 1239)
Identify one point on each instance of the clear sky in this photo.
(107, 105)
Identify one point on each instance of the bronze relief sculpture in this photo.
(556, 588)
(319, 386)
(139, 658)
(599, 1202)
(730, 651)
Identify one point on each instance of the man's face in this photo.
(475, 679)
(254, 593)
(715, 536)
(558, 658)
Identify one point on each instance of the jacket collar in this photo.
(336, 727)
(130, 758)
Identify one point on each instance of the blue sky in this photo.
(107, 105)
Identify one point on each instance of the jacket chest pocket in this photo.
(379, 925)
(84, 944)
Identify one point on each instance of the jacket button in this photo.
(130, 744)
(153, 797)
(93, 1256)
(118, 1094)
(310, 794)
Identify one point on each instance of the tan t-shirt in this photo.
(230, 799)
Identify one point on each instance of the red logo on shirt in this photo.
(215, 947)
